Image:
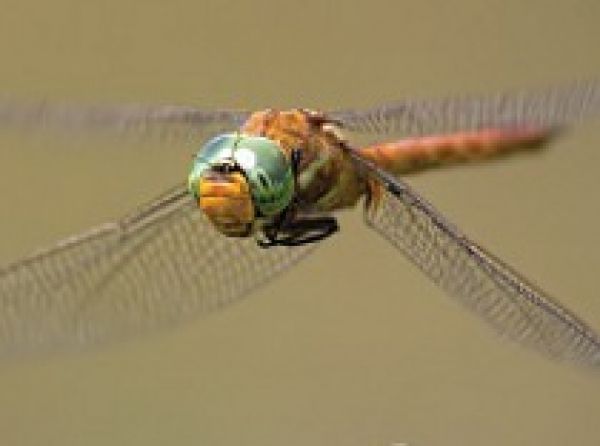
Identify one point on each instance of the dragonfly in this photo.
(262, 193)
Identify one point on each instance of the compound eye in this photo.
(263, 180)
(245, 158)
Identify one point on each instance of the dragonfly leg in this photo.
(300, 231)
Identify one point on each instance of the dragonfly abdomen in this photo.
(417, 153)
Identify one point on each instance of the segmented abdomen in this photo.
(413, 154)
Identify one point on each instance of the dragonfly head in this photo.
(238, 178)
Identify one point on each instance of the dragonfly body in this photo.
(276, 178)
(327, 178)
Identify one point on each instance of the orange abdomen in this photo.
(413, 154)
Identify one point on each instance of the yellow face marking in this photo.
(225, 199)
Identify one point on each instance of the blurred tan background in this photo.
(354, 346)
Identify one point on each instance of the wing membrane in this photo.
(550, 108)
(163, 122)
(157, 267)
(478, 280)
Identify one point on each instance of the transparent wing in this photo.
(481, 282)
(550, 108)
(170, 122)
(157, 267)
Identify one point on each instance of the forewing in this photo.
(478, 280)
(549, 108)
(159, 122)
(160, 266)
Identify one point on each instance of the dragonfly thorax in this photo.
(238, 178)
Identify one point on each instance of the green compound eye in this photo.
(263, 180)
(266, 168)
(268, 171)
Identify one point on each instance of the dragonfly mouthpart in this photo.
(224, 197)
